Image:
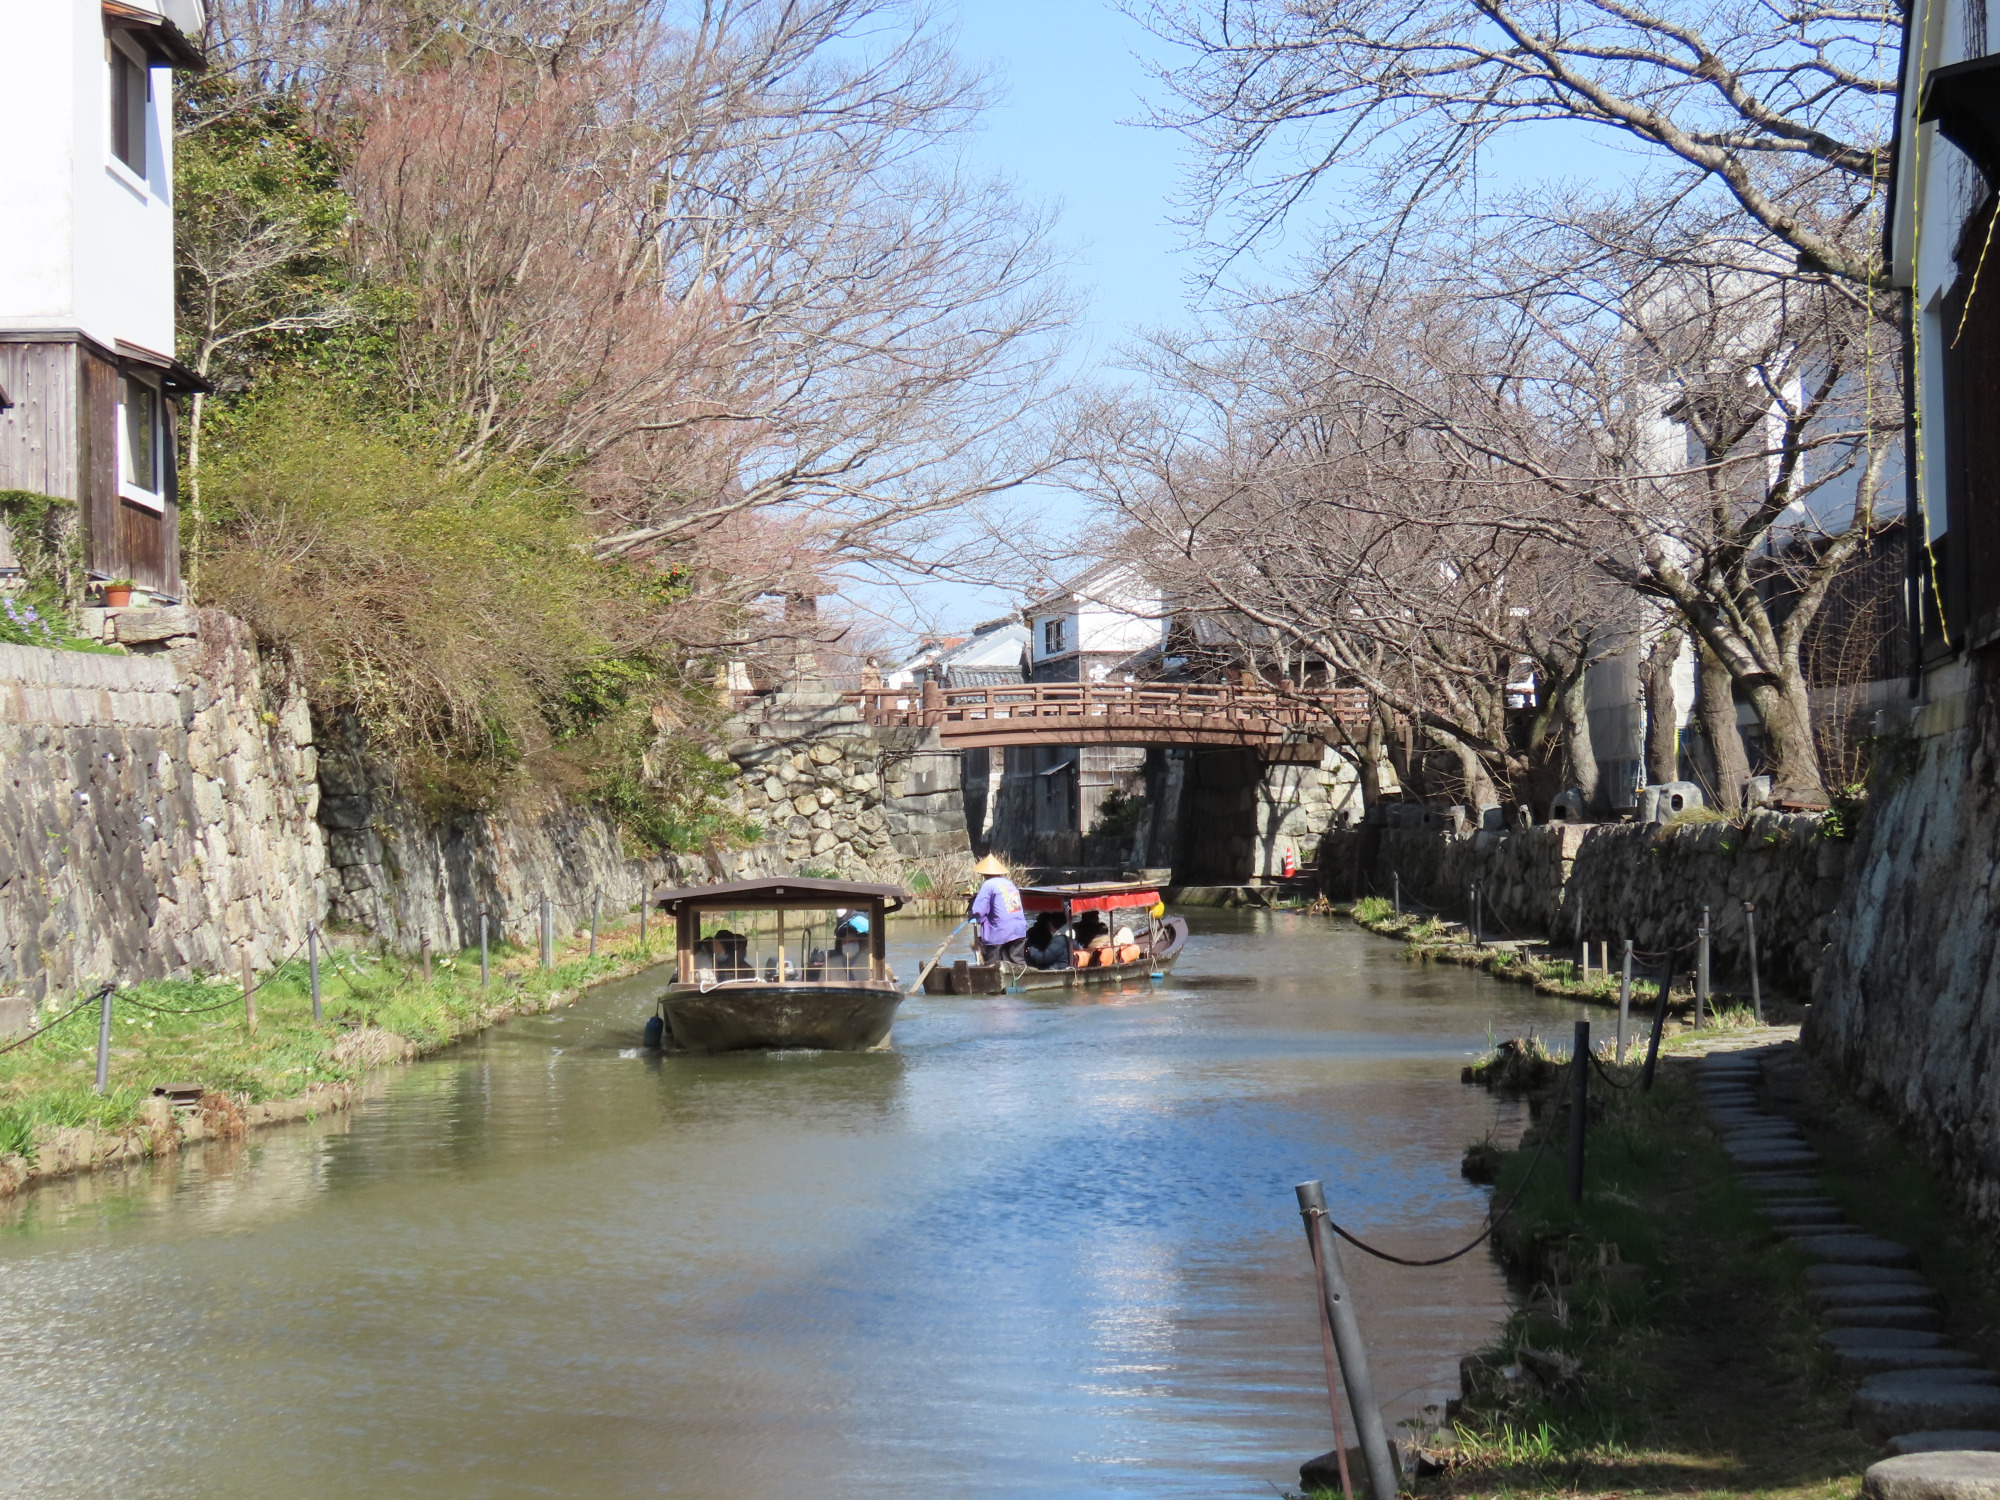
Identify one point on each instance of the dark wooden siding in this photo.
(38, 432)
(121, 540)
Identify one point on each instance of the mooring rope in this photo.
(1492, 1224)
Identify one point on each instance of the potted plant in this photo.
(118, 593)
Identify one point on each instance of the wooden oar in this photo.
(924, 972)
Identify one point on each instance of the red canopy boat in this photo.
(1158, 937)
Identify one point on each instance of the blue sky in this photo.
(1065, 130)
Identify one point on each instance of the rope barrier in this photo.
(1492, 1224)
(233, 1000)
(1605, 1073)
(83, 1004)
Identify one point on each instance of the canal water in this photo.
(1041, 1248)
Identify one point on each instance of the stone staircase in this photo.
(1936, 1408)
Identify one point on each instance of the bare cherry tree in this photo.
(1783, 109)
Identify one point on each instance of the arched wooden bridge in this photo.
(1115, 713)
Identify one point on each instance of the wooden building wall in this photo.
(60, 437)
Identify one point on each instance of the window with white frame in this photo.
(141, 442)
(131, 91)
(1055, 636)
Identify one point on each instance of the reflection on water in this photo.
(1046, 1246)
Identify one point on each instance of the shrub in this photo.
(449, 610)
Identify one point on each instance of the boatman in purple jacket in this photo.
(1002, 924)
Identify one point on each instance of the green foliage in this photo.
(260, 219)
(446, 609)
(1119, 816)
(47, 539)
(1843, 817)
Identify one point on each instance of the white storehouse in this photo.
(89, 385)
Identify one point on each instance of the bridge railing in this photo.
(1156, 702)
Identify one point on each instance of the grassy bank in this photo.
(375, 1009)
(1431, 939)
(1662, 1343)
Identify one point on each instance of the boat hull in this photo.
(751, 1017)
(991, 979)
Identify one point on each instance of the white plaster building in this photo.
(89, 385)
(1091, 627)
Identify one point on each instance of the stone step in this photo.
(1880, 1415)
(1829, 1299)
(1951, 1440)
(1856, 1250)
(1928, 1380)
(1885, 1317)
(1888, 1361)
(1934, 1476)
(1770, 1156)
(1849, 1339)
(1779, 1185)
(1803, 1213)
(1854, 1275)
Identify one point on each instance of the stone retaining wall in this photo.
(165, 810)
(1908, 1002)
(1647, 882)
(156, 809)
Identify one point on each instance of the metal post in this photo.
(249, 994)
(1347, 1343)
(312, 964)
(1579, 1107)
(1624, 998)
(1396, 884)
(482, 948)
(1659, 1026)
(1756, 985)
(596, 910)
(424, 953)
(104, 1038)
(548, 933)
(1701, 971)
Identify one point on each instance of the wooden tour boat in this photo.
(728, 995)
(1160, 943)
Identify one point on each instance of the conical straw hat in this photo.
(989, 866)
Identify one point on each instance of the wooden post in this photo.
(1756, 985)
(1659, 1026)
(1396, 885)
(482, 948)
(548, 933)
(1579, 1107)
(424, 955)
(645, 901)
(878, 942)
(104, 994)
(1701, 972)
(1347, 1344)
(596, 911)
(686, 928)
(249, 993)
(781, 945)
(312, 965)
(1624, 998)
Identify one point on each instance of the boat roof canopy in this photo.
(1102, 895)
(779, 892)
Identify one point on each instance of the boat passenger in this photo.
(1002, 924)
(1048, 948)
(849, 958)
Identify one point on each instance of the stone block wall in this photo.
(1647, 882)
(156, 809)
(1907, 1006)
(834, 793)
